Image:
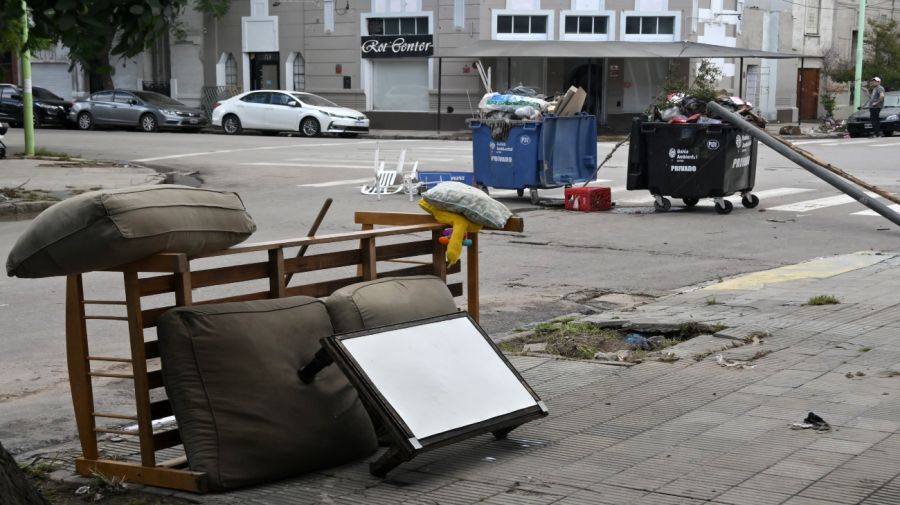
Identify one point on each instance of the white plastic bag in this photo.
(509, 103)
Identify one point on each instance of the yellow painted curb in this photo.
(820, 268)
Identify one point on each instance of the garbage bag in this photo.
(506, 102)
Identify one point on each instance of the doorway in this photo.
(808, 93)
(589, 77)
(264, 71)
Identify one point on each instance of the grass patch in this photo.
(712, 301)
(40, 468)
(42, 152)
(30, 195)
(823, 300)
(865, 349)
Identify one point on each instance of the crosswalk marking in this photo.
(336, 183)
(819, 203)
(894, 207)
(367, 166)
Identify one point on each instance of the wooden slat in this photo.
(323, 261)
(438, 256)
(109, 358)
(139, 367)
(322, 289)
(162, 262)
(112, 375)
(151, 349)
(183, 291)
(150, 317)
(103, 302)
(456, 289)
(114, 431)
(472, 277)
(179, 462)
(160, 409)
(154, 381)
(157, 285)
(369, 260)
(79, 367)
(325, 239)
(111, 415)
(405, 250)
(166, 439)
(107, 318)
(133, 473)
(230, 274)
(276, 273)
(514, 224)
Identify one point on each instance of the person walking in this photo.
(876, 101)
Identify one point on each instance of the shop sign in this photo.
(397, 46)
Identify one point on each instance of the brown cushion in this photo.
(104, 229)
(390, 300)
(230, 372)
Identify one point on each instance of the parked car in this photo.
(47, 107)
(274, 111)
(145, 110)
(859, 124)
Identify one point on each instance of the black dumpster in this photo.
(692, 161)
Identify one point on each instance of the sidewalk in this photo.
(687, 432)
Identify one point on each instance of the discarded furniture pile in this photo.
(219, 333)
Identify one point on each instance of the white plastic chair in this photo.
(386, 182)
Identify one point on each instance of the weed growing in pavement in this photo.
(40, 468)
(712, 301)
(865, 349)
(823, 300)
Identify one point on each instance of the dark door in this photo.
(264, 72)
(808, 93)
(589, 77)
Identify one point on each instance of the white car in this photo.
(274, 111)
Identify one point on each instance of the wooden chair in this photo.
(389, 244)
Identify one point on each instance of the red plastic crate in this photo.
(589, 199)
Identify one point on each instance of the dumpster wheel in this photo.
(662, 204)
(533, 194)
(690, 202)
(723, 206)
(749, 200)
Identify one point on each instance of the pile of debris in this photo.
(683, 108)
(522, 103)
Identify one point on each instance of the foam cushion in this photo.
(230, 372)
(105, 229)
(390, 300)
(468, 201)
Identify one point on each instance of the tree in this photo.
(883, 53)
(14, 486)
(95, 31)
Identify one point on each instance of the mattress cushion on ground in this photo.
(390, 300)
(108, 228)
(230, 372)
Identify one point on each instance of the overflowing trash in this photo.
(812, 422)
(526, 104)
(683, 108)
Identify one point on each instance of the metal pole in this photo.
(741, 81)
(799, 90)
(440, 75)
(815, 169)
(27, 99)
(860, 37)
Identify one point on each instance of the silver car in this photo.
(145, 110)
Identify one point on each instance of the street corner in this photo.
(30, 185)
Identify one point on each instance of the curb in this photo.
(16, 211)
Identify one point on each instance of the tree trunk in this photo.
(14, 486)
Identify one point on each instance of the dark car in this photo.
(859, 124)
(145, 110)
(49, 109)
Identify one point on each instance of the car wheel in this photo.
(888, 133)
(232, 125)
(309, 127)
(85, 121)
(148, 123)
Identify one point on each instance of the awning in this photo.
(602, 49)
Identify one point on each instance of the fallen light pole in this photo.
(817, 170)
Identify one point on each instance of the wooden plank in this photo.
(107, 318)
(472, 277)
(456, 289)
(179, 462)
(162, 262)
(151, 349)
(160, 409)
(322, 289)
(112, 415)
(139, 368)
(230, 274)
(438, 256)
(166, 439)
(109, 358)
(369, 260)
(133, 473)
(154, 380)
(513, 224)
(183, 291)
(79, 366)
(276, 273)
(150, 317)
(315, 262)
(157, 285)
(324, 239)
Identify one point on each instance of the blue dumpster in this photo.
(520, 155)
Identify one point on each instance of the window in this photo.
(256, 98)
(812, 17)
(123, 97)
(299, 73)
(522, 24)
(650, 25)
(586, 25)
(230, 71)
(103, 96)
(281, 99)
(398, 26)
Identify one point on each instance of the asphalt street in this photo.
(565, 262)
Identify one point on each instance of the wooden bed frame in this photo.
(172, 276)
